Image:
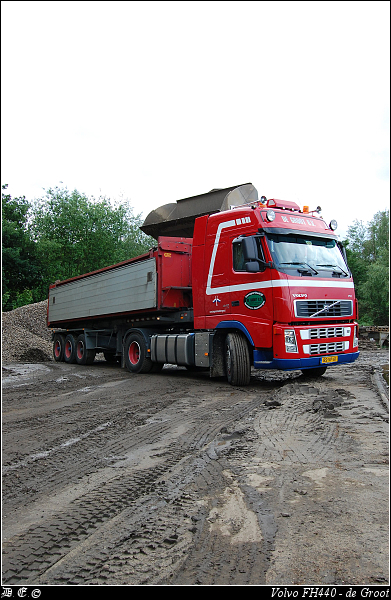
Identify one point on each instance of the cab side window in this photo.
(238, 258)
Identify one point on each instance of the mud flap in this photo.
(217, 365)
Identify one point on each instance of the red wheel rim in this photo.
(57, 349)
(80, 350)
(68, 349)
(134, 353)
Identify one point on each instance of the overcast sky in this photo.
(155, 101)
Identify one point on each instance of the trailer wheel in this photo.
(136, 358)
(317, 372)
(237, 359)
(58, 347)
(70, 349)
(83, 356)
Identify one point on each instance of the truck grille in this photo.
(327, 348)
(321, 309)
(326, 332)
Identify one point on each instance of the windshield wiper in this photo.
(333, 267)
(300, 263)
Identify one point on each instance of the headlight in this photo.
(270, 215)
(333, 225)
(290, 340)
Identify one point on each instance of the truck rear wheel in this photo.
(70, 349)
(237, 359)
(58, 347)
(136, 358)
(83, 356)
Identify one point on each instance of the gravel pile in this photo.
(25, 335)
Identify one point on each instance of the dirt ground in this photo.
(117, 479)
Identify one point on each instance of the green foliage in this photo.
(21, 269)
(62, 235)
(367, 250)
(76, 235)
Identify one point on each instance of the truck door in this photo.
(251, 293)
(217, 299)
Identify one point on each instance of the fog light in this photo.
(290, 340)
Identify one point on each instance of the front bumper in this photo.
(309, 346)
(298, 364)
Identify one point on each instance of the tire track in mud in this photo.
(310, 477)
(34, 547)
(200, 488)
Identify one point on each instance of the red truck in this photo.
(234, 282)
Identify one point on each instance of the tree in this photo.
(21, 269)
(75, 234)
(59, 236)
(367, 250)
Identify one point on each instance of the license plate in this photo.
(329, 359)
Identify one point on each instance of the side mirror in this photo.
(250, 249)
(251, 256)
(343, 250)
(253, 267)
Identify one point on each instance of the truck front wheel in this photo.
(136, 356)
(237, 359)
(316, 372)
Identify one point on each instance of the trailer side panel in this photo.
(119, 290)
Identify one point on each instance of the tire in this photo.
(317, 372)
(136, 358)
(70, 349)
(83, 356)
(237, 359)
(58, 347)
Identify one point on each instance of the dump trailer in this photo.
(234, 282)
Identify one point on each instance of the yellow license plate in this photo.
(329, 359)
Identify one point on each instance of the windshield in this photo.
(308, 255)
